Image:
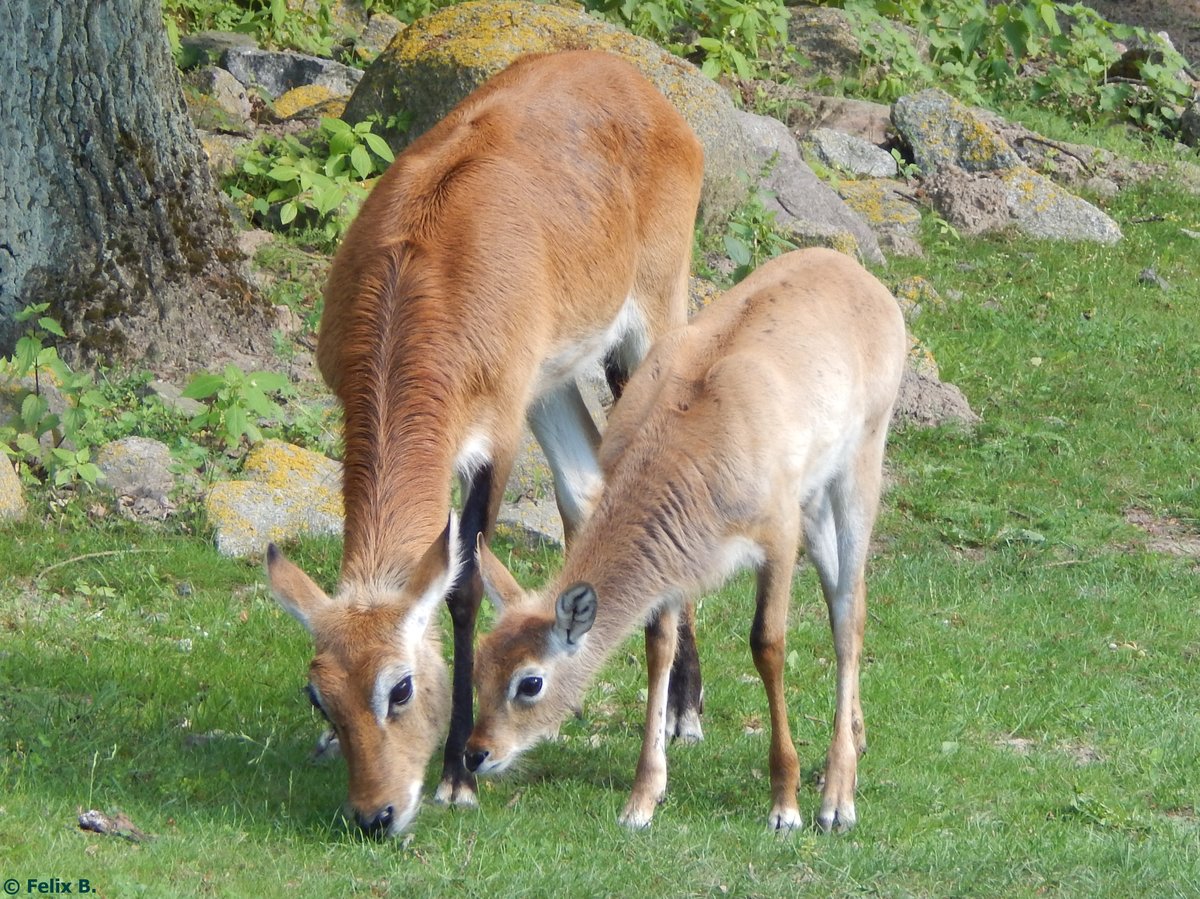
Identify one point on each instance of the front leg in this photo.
(650, 782)
(685, 699)
(457, 786)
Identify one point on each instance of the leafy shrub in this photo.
(273, 23)
(1040, 50)
(286, 183)
(236, 401)
(722, 36)
(51, 446)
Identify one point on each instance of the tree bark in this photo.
(107, 208)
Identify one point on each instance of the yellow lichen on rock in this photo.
(304, 97)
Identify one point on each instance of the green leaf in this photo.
(737, 249)
(49, 324)
(287, 213)
(361, 160)
(203, 385)
(379, 147)
(269, 381)
(236, 424)
(332, 126)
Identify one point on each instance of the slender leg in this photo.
(768, 644)
(457, 786)
(650, 782)
(685, 699)
(564, 428)
(686, 688)
(852, 503)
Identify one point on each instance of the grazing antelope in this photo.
(761, 421)
(544, 225)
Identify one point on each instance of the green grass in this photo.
(1030, 689)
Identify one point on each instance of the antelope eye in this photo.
(312, 697)
(402, 692)
(530, 687)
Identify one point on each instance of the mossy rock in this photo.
(12, 494)
(943, 132)
(439, 59)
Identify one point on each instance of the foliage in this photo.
(752, 237)
(722, 36)
(307, 27)
(50, 444)
(236, 401)
(287, 184)
(1040, 50)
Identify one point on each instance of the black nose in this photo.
(376, 825)
(475, 759)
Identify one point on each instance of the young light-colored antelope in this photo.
(762, 421)
(544, 225)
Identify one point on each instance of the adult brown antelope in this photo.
(544, 225)
(761, 421)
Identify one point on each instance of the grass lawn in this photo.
(1030, 689)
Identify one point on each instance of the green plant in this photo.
(1049, 52)
(307, 27)
(52, 445)
(751, 235)
(287, 183)
(723, 36)
(236, 402)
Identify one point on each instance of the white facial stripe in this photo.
(404, 817)
(384, 682)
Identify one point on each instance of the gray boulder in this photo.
(442, 57)
(287, 492)
(848, 153)
(12, 494)
(971, 167)
(805, 205)
(137, 471)
(277, 72)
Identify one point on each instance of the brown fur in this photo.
(482, 274)
(763, 420)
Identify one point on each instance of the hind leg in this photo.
(838, 533)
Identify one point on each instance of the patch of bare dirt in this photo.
(1166, 534)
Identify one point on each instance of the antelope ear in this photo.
(574, 615)
(296, 591)
(498, 584)
(434, 575)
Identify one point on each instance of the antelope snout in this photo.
(475, 758)
(377, 825)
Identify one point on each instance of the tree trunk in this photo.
(107, 208)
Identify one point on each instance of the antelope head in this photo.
(527, 672)
(378, 676)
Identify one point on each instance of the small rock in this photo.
(172, 397)
(116, 825)
(137, 468)
(12, 493)
(380, 30)
(1151, 278)
(278, 72)
(850, 154)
